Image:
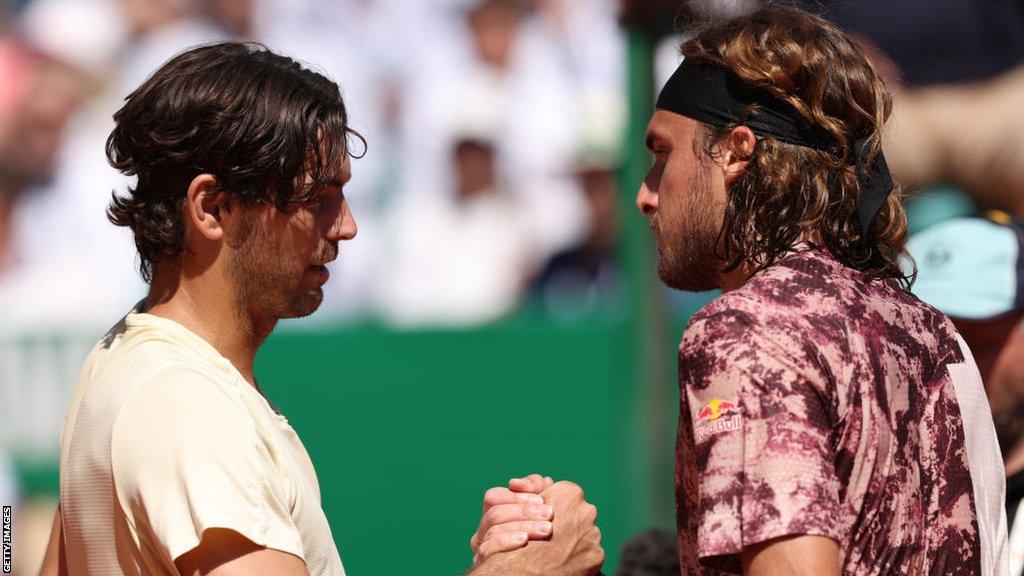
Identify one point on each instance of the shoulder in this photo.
(736, 318)
(183, 423)
(742, 332)
(181, 404)
(804, 294)
(136, 358)
(724, 320)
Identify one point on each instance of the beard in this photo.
(688, 257)
(268, 283)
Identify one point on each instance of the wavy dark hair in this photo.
(790, 192)
(257, 121)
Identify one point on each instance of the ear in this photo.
(737, 149)
(204, 205)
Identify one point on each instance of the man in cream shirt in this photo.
(172, 461)
(169, 426)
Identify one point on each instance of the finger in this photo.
(505, 513)
(548, 482)
(502, 495)
(513, 513)
(502, 542)
(534, 529)
(564, 491)
(534, 483)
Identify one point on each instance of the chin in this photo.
(687, 278)
(305, 304)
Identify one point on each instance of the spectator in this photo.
(500, 47)
(36, 100)
(87, 253)
(585, 277)
(462, 259)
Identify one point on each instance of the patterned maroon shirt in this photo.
(815, 401)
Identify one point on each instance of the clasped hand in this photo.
(537, 526)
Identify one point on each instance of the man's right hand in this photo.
(574, 548)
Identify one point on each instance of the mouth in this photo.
(321, 272)
(326, 259)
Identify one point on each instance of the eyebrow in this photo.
(652, 139)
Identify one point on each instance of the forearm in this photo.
(504, 565)
(493, 566)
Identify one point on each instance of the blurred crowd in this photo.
(494, 130)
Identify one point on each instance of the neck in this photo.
(736, 278)
(211, 310)
(740, 275)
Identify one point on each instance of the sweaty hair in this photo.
(789, 192)
(269, 131)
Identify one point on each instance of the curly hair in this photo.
(269, 131)
(788, 192)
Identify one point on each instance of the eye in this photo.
(329, 198)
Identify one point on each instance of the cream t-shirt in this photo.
(165, 439)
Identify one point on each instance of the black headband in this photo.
(714, 95)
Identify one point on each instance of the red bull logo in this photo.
(718, 416)
(716, 409)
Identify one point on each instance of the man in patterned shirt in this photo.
(830, 422)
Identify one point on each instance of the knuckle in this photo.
(493, 515)
(574, 490)
(570, 489)
(487, 516)
(491, 534)
(486, 549)
(506, 541)
(493, 496)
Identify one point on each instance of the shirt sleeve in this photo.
(186, 458)
(754, 456)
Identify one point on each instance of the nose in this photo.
(646, 201)
(344, 226)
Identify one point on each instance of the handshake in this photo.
(537, 527)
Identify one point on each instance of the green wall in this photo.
(407, 430)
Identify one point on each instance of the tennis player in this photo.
(830, 422)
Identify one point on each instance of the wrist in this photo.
(504, 564)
